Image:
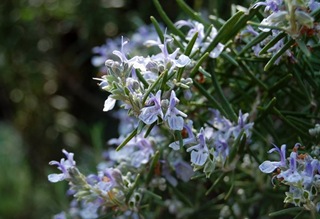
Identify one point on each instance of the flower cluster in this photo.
(137, 40)
(290, 16)
(213, 143)
(131, 81)
(295, 18)
(300, 172)
(203, 40)
(96, 191)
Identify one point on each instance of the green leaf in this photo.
(266, 109)
(215, 183)
(285, 211)
(272, 42)
(225, 31)
(254, 41)
(303, 47)
(158, 28)
(167, 20)
(229, 58)
(212, 101)
(127, 139)
(199, 63)
(278, 54)
(133, 187)
(154, 163)
(141, 78)
(149, 130)
(235, 149)
(231, 188)
(289, 123)
(187, 53)
(189, 11)
(190, 45)
(280, 83)
(254, 78)
(150, 88)
(224, 101)
(182, 196)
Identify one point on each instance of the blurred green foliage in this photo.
(48, 99)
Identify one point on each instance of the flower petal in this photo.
(149, 115)
(175, 122)
(182, 61)
(268, 166)
(109, 104)
(199, 157)
(56, 177)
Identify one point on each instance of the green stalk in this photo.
(248, 71)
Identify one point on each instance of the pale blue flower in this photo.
(313, 5)
(183, 170)
(143, 152)
(61, 215)
(169, 61)
(121, 54)
(191, 139)
(199, 152)
(137, 152)
(150, 113)
(275, 19)
(308, 173)
(220, 122)
(273, 5)
(269, 166)
(291, 175)
(174, 116)
(166, 172)
(63, 165)
(221, 148)
(89, 210)
(242, 126)
(202, 41)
